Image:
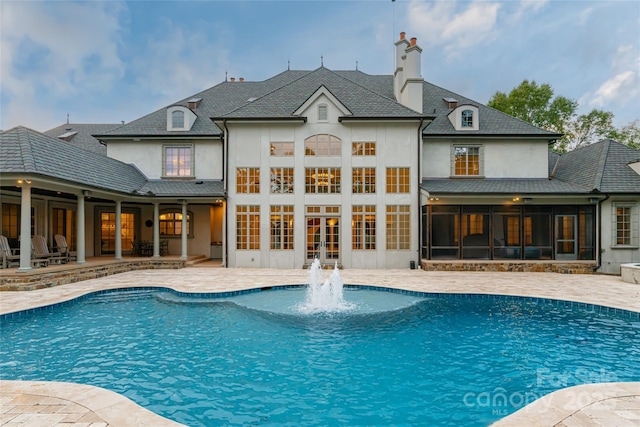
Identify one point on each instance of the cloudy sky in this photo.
(112, 61)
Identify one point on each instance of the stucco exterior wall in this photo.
(501, 158)
(147, 156)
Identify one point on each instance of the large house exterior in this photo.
(361, 170)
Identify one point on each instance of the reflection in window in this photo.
(281, 180)
(177, 119)
(281, 149)
(323, 145)
(467, 161)
(248, 180)
(282, 227)
(178, 161)
(467, 119)
(364, 180)
(363, 148)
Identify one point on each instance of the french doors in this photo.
(323, 234)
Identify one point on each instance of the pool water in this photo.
(438, 360)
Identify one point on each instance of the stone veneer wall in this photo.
(32, 280)
(566, 267)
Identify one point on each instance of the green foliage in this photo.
(536, 104)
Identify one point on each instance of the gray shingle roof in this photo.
(83, 138)
(603, 167)
(475, 186)
(364, 95)
(27, 151)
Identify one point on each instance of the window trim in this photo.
(634, 225)
(480, 148)
(323, 108)
(192, 171)
(190, 223)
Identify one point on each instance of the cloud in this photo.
(622, 88)
(441, 23)
(56, 50)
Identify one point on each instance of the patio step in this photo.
(196, 259)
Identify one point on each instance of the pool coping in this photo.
(598, 290)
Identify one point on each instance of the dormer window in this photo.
(177, 120)
(467, 119)
(323, 114)
(180, 118)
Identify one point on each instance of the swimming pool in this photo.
(437, 359)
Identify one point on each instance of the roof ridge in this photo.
(599, 175)
(25, 148)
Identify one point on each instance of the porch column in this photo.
(224, 233)
(156, 230)
(184, 230)
(118, 229)
(25, 227)
(80, 228)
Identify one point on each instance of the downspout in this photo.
(420, 192)
(599, 227)
(225, 180)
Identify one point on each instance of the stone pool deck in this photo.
(44, 404)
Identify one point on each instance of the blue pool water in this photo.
(437, 360)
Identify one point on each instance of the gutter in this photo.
(599, 242)
(420, 231)
(225, 180)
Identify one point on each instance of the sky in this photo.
(114, 61)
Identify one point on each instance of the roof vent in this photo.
(451, 102)
(251, 99)
(67, 136)
(194, 102)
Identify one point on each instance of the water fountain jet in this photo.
(324, 296)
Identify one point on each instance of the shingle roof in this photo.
(603, 167)
(364, 95)
(83, 137)
(24, 150)
(473, 186)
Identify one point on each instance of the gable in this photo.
(322, 107)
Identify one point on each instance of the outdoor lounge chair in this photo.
(41, 251)
(8, 256)
(61, 243)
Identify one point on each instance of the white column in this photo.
(184, 230)
(118, 229)
(81, 259)
(156, 230)
(25, 228)
(224, 233)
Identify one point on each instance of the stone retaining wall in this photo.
(31, 280)
(566, 267)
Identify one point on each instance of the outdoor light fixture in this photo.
(527, 200)
(24, 181)
(86, 193)
(516, 199)
(434, 198)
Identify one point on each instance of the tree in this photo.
(536, 105)
(628, 135)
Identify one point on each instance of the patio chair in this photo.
(61, 243)
(8, 255)
(41, 251)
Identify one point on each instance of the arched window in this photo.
(171, 223)
(467, 119)
(323, 145)
(177, 119)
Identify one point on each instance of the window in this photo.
(178, 161)
(247, 227)
(282, 148)
(398, 227)
(323, 145)
(177, 119)
(397, 180)
(363, 223)
(363, 148)
(170, 223)
(323, 114)
(466, 161)
(282, 227)
(322, 180)
(282, 180)
(63, 221)
(11, 223)
(467, 119)
(625, 224)
(248, 180)
(364, 180)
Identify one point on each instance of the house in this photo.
(366, 171)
